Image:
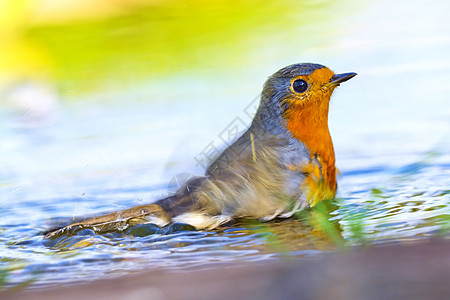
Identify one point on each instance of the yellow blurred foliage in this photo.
(84, 44)
(18, 56)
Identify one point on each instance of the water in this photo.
(76, 153)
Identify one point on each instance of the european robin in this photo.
(283, 162)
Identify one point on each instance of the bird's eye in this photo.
(299, 85)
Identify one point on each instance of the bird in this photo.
(283, 163)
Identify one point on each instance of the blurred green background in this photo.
(85, 46)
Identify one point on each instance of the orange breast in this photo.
(310, 126)
(307, 120)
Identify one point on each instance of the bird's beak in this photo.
(339, 78)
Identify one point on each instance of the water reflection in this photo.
(388, 212)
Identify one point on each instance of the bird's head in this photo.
(300, 86)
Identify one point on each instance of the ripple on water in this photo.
(383, 206)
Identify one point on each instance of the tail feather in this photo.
(160, 213)
(117, 220)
